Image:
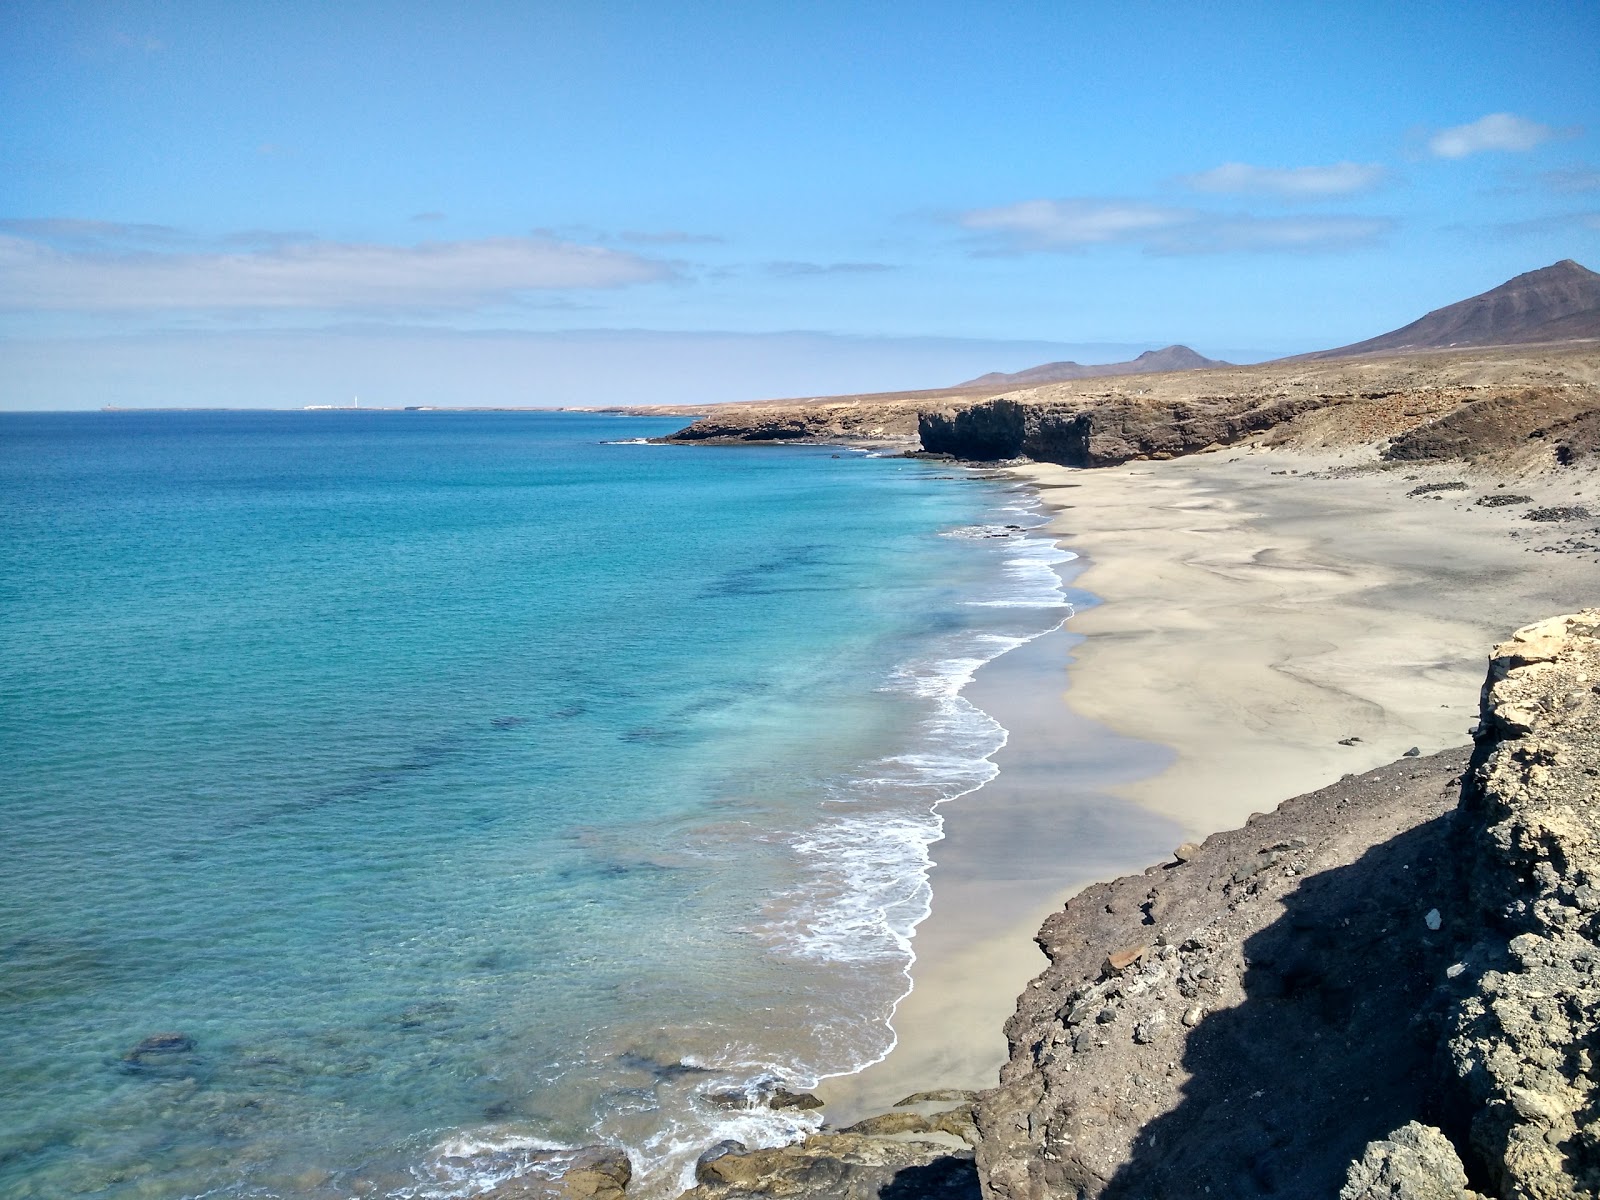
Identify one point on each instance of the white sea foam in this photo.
(471, 1162)
(866, 888)
(869, 859)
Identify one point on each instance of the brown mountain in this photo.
(1557, 303)
(1173, 358)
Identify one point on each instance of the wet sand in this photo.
(1256, 610)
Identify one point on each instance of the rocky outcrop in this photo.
(1387, 987)
(1494, 424)
(1102, 431)
(1415, 1162)
(1524, 1047)
(593, 1173)
(921, 1149)
(733, 424)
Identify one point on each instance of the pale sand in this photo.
(1249, 621)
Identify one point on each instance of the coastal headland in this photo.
(1291, 577)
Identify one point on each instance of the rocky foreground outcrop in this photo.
(1386, 988)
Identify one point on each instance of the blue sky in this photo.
(602, 202)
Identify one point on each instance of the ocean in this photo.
(394, 799)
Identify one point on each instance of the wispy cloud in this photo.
(1072, 224)
(1571, 179)
(1290, 183)
(1586, 222)
(1505, 132)
(427, 216)
(792, 269)
(310, 275)
(669, 237)
(1266, 235)
(73, 231)
(1068, 225)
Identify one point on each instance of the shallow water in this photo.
(461, 784)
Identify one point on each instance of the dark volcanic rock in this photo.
(1494, 423)
(1558, 512)
(1103, 431)
(883, 422)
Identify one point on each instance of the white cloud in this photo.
(1295, 183)
(1064, 225)
(790, 269)
(1071, 224)
(1497, 131)
(1262, 235)
(309, 275)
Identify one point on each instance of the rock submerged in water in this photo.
(159, 1050)
(840, 1166)
(593, 1173)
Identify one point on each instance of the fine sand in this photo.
(1245, 613)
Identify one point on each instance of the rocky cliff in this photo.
(1520, 407)
(1111, 430)
(1386, 988)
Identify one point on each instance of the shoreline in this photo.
(1256, 609)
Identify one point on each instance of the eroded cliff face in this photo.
(1387, 988)
(1103, 431)
(1524, 1047)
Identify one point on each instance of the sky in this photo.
(275, 205)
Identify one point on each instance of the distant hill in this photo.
(1553, 304)
(1173, 358)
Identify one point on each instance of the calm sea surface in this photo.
(463, 786)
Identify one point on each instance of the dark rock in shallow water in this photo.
(722, 1148)
(159, 1050)
(841, 1166)
(784, 1098)
(593, 1173)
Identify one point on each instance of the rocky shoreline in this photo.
(1517, 404)
(1386, 988)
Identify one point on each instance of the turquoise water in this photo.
(462, 785)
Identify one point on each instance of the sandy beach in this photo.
(1253, 625)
